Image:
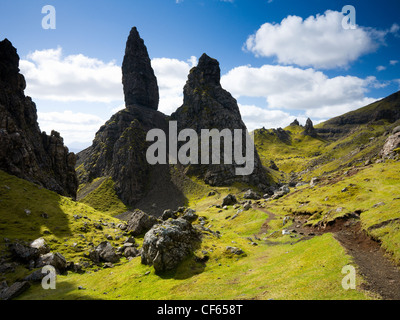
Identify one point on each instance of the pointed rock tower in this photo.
(119, 149)
(309, 129)
(207, 105)
(138, 79)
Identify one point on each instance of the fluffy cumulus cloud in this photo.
(75, 127)
(256, 117)
(319, 41)
(308, 90)
(171, 77)
(51, 76)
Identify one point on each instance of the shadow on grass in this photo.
(63, 291)
(27, 210)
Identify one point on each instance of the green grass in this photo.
(286, 270)
(366, 187)
(105, 199)
(61, 230)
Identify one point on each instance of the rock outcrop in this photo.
(25, 151)
(391, 144)
(295, 123)
(167, 244)
(207, 105)
(309, 129)
(138, 79)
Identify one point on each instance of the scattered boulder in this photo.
(379, 204)
(314, 181)
(229, 200)
(56, 260)
(131, 252)
(190, 215)
(167, 244)
(251, 194)
(24, 253)
(41, 245)
(234, 250)
(392, 143)
(247, 206)
(284, 190)
(167, 214)
(140, 222)
(35, 276)
(273, 166)
(14, 290)
(106, 252)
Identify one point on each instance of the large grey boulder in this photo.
(24, 253)
(229, 200)
(140, 222)
(167, 244)
(56, 260)
(251, 194)
(14, 290)
(106, 252)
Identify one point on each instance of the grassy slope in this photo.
(104, 198)
(61, 230)
(340, 164)
(286, 270)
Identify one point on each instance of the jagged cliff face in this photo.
(25, 151)
(207, 106)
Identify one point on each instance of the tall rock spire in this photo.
(138, 79)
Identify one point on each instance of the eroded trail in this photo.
(380, 273)
(382, 276)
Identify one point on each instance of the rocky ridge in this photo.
(25, 151)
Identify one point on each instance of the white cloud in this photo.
(51, 76)
(73, 126)
(395, 28)
(393, 62)
(290, 88)
(380, 68)
(171, 77)
(319, 41)
(255, 117)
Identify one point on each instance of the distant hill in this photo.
(383, 111)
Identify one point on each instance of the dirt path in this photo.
(380, 273)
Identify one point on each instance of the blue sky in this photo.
(281, 59)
